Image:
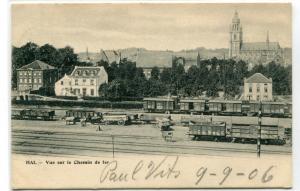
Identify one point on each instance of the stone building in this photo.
(252, 52)
(258, 88)
(36, 75)
(83, 81)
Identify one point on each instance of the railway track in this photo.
(32, 141)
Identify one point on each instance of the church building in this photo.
(252, 52)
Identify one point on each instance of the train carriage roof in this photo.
(192, 100)
(225, 101)
(273, 103)
(158, 99)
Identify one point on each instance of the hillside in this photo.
(191, 54)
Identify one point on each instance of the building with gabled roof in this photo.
(109, 56)
(83, 81)
(252, 52)
(258, 88)
(36, 75)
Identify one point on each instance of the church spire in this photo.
(198, 59)
(268, 42)
(87, 54)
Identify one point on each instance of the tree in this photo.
(155, 73)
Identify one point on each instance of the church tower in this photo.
(236, 36)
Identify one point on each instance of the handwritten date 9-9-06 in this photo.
(264, 175)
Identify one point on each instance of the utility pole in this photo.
(259, 131)
(113, 145)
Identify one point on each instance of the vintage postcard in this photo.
(143, 95)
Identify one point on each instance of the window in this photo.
(34, 73)
(250, 89)
(34, 80)
(70, 83)
(83, 80)
(29, 73)
(61, 82)
(25, 80)
(266, 88)
(40, 80)
(159, 105)
(76, 82)
(21, 73)
(257, 89)
(29, 80)
(92, 82)
(25, 73)
(92, 92)
(39, 73)
(21, 80)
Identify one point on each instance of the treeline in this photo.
(126, 80)
(210, 77)
(207, 79)
(62, 58)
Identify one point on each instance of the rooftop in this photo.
(260, 46)
(150, 60)
(258, 78)
(86, 71)
(37, 65)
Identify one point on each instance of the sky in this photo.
(151, 26)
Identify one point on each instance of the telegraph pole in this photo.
(113, 145)
(259, 131)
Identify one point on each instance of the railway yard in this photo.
(55, 137)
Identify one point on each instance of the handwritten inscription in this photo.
(167, 169)
(264, 175)
(164, 169)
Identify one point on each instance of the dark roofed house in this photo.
(35, 75)
(109, 56)
(148, 60)
(258, 88)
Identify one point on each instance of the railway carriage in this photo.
(161, 105)
(80, 114)
(33, 114)
(270, 134)
(206, 130)
(215, 106)
(17, 113)
(232, 108)
(273, 109)
(192, 105)
(288, 110)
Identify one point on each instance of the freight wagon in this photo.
(160, 105)
(217, 107)
(80, 114)
(216, 131)
(33, 114)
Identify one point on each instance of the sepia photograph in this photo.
(151, 95)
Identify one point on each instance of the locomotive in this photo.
(217, 107)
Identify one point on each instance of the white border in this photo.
(5, 50)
